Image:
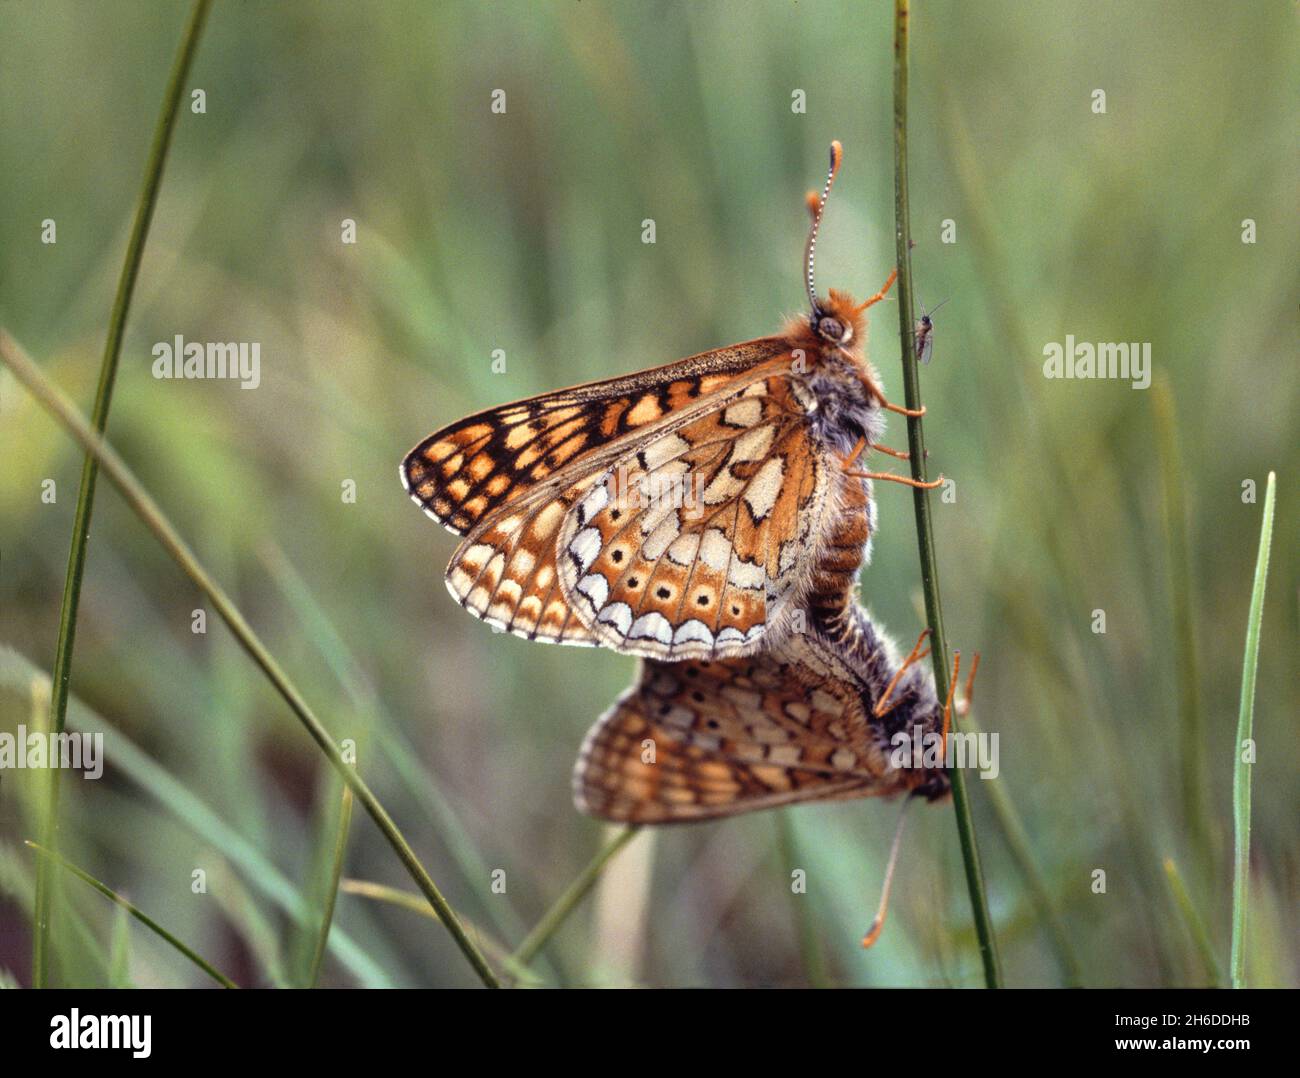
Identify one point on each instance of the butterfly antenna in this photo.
(837, 155)
(878, 925)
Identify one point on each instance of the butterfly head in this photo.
(836, 322)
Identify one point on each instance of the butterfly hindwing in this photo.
(696, 543)
(506, 573)
(698, 740)
(506, 479)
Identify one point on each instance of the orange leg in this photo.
(857, 452)
(893, 276)
(963, 707)
(947, 704)
(914, 656)
(905, 480)
(896, 453)
(879, 394)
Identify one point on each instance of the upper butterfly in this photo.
(679, 513)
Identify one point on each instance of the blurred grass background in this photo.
(522, 232)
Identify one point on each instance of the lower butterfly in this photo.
(677, 513)
(814, 719)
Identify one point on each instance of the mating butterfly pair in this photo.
(710, 516)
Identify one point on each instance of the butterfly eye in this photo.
(830, 329)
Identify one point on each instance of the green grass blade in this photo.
(810, 948)
(200, 818)
(1195, 925)
(18, 886)
(921, 499)
(408, 900)
(119, 951)
(138, 914)
(568, 901)
(90, 467)
(1244, 757)
(1191, 720)
(152, 516)
(332, 886)
(395, 748)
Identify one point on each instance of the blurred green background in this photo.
(522, 232)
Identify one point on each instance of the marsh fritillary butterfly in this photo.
(755, 445)
(813, 719)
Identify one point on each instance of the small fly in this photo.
(925, 334)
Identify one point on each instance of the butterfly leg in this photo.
(893, 276)
(849, 461)
(963, 705)
(947, 704)
(879, 394)
(914, 413)
(914, 656)
(905, 480)
(863, 444)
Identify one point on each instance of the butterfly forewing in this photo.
(462, 473)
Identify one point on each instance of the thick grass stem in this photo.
(921, 498)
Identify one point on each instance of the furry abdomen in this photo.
(845, 415)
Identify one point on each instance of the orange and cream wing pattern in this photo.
(462, 473)
(506, 572)
(700, 740)
(696, 544)
(507, 479)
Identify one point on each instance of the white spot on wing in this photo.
(593, 503)
(693, 630)
(652, 626)
(744, 413)
(763, 489)
(753, 444)
(684, 548)
(662, 450)
(585, 546)
(596, 588)
(618, 615)
(747, 575)
(659, 539)
(715, 550)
